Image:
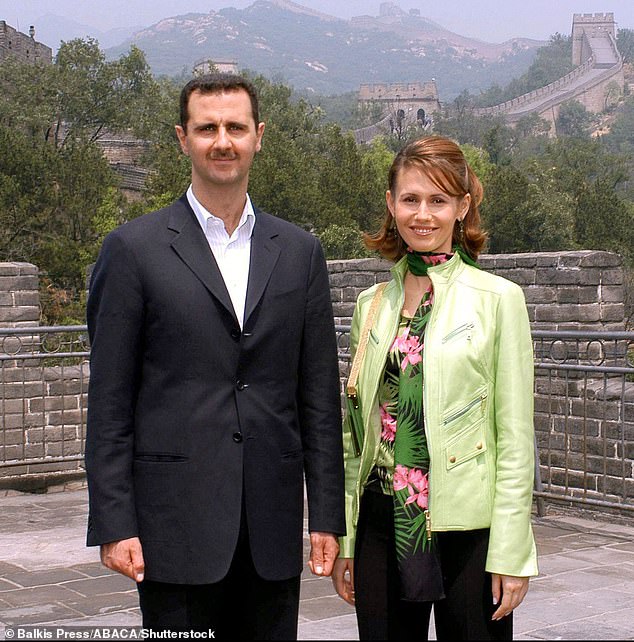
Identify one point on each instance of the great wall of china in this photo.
(595, 80)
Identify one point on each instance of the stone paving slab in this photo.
(109, 603)
(48, 576)
(104, 585)
(38, 578)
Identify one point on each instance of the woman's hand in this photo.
(508, 592)
(343, 578)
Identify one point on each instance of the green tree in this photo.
(573, 120)
(568, 197)
(523, 214)
(552, 61)
(621, 136)
(625, 44)
(59, 193)
(480, 162)
(376, 160)
(532, 126)
(342, 242)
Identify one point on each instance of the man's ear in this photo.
(181, 134)
(259, 132)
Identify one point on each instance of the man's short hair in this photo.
(217, 83)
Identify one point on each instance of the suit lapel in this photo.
(264, 255)
(192, 247)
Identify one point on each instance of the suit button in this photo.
(240, 385)
(452, 459)
(235, 334)
(479, 445)
(237, 437)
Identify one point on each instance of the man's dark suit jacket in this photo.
(187, 412)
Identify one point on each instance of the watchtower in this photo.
(23, 47)
(411, 101)
(585, 26)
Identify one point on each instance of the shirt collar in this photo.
(204, 216)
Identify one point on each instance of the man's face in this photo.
(221, 138)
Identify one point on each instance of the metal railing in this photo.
(43, 398)
(584, 417)
(584, 409)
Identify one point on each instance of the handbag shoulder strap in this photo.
(351, 386)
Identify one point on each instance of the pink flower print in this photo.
(411, 347)
(421, 484)
(388, 423)
(416, 483)
(434, 259)
(400, 477)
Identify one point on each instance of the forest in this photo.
(59, 197)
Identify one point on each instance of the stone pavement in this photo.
(48, 577)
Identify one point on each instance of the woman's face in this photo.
(424, 214)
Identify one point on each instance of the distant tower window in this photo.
(420, 115)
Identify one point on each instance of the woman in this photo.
(439, 477)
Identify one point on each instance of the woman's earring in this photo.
(461, 232)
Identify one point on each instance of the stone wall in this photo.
(594, 49)
(580, 421)
(23, 47)
(582, 22)
(42, 395)
(19, 295)
(564, 290)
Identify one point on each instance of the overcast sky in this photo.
(491, 20)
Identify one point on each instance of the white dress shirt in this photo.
(232, 253)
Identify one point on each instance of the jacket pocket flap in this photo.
(465, 446)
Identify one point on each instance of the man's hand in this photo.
(324, 548)
(510, 590)
(344, 585)
(125, 557)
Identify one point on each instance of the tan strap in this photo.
(351, 386)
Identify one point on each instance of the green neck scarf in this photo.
(419, 262)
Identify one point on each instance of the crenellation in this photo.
(22, 46)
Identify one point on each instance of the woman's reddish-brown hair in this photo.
(443, 162)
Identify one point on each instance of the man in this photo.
(214, 389)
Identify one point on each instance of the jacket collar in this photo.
(439, 274)
(191, 245)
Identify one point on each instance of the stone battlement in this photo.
(399, 91)
(592, 18)
(23, 47)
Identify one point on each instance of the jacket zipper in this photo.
(434, 314)
(465, 326)
(456, 415)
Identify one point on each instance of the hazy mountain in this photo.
(51, 29)
(313, 51)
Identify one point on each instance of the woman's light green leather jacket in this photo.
(478, 405)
